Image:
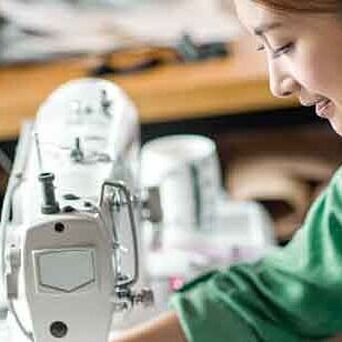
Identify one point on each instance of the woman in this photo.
(294, 294)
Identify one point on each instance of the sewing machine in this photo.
(69, 239)
(71, 253)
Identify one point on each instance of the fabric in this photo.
(294, 294)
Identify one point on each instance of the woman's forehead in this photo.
(254, 15)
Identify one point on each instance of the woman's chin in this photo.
(337, 126)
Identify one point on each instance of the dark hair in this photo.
(304, 6)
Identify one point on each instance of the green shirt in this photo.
(295, 294)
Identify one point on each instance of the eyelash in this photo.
(280, 51)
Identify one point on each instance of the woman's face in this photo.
(304, 54)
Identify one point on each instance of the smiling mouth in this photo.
(324, 108)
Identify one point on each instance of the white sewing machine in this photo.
(69, 215)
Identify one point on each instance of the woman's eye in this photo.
(283, 50)
(276, 53)
(260, 47)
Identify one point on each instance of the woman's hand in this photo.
(165, 328)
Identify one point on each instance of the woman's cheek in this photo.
(312, 75)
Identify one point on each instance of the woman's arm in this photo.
(165, 328)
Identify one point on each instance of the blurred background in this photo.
(36, 29)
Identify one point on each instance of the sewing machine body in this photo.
(63, 268)
(69, 249)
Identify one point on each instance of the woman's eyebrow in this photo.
(260, 30)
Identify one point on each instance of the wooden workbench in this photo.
(222, 86)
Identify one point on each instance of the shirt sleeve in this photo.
(294, 294)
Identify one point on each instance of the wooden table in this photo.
(220, 86)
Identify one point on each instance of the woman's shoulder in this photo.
(336, 181)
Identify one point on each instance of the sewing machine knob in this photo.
(145, 297)
(58, 329)
(127, 299)
(148, 297)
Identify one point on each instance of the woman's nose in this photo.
(282, 84)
